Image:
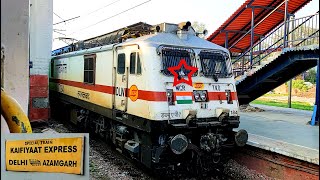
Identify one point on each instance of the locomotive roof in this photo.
(173, 40)
(154, 40)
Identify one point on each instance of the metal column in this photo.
(286, 25)
(252, 36)
(260, 50)
(316, 109)
(291, 45)
(289, 92)
(226, 41)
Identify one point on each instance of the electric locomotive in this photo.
(160, 94)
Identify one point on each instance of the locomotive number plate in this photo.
(216, 87)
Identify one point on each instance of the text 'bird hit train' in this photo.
(159, 93)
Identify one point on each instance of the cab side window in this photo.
(89, 69)
(138, 64)
(135, 64)
(132, 63)
(121, 63)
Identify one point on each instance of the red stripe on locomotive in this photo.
(143, 95)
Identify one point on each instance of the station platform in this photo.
(282, 130)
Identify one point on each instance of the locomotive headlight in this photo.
(170, 96)
(197, 96)
(203, 96)
(200, 96)
(229, 97)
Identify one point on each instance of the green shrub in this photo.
(299, 84)
(311, 76)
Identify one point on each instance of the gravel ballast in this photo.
(106, 163)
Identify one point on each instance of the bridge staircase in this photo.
(285, 52)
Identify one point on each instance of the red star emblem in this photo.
(177, 81)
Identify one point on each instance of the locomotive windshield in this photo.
(214, 63)
(171, 56)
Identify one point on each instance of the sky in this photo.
(102, 16)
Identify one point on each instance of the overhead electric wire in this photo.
(85, 14)
(101, 8)
(111, 17)
(58, 16)
(66, 20)
(59, 32)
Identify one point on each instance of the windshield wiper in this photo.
(215, 78)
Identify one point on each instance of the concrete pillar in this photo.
(41, 20)
(15, 47)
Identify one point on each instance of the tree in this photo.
(199, 28)
(311, 76)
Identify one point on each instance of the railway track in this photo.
(107, 163)
(141, 172)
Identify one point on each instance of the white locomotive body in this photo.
(127, 93)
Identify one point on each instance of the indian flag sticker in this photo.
(184, 97)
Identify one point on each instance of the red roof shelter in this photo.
(235, 33)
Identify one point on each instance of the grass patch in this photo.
(274, 95)
(294, 105)
(92, 167)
